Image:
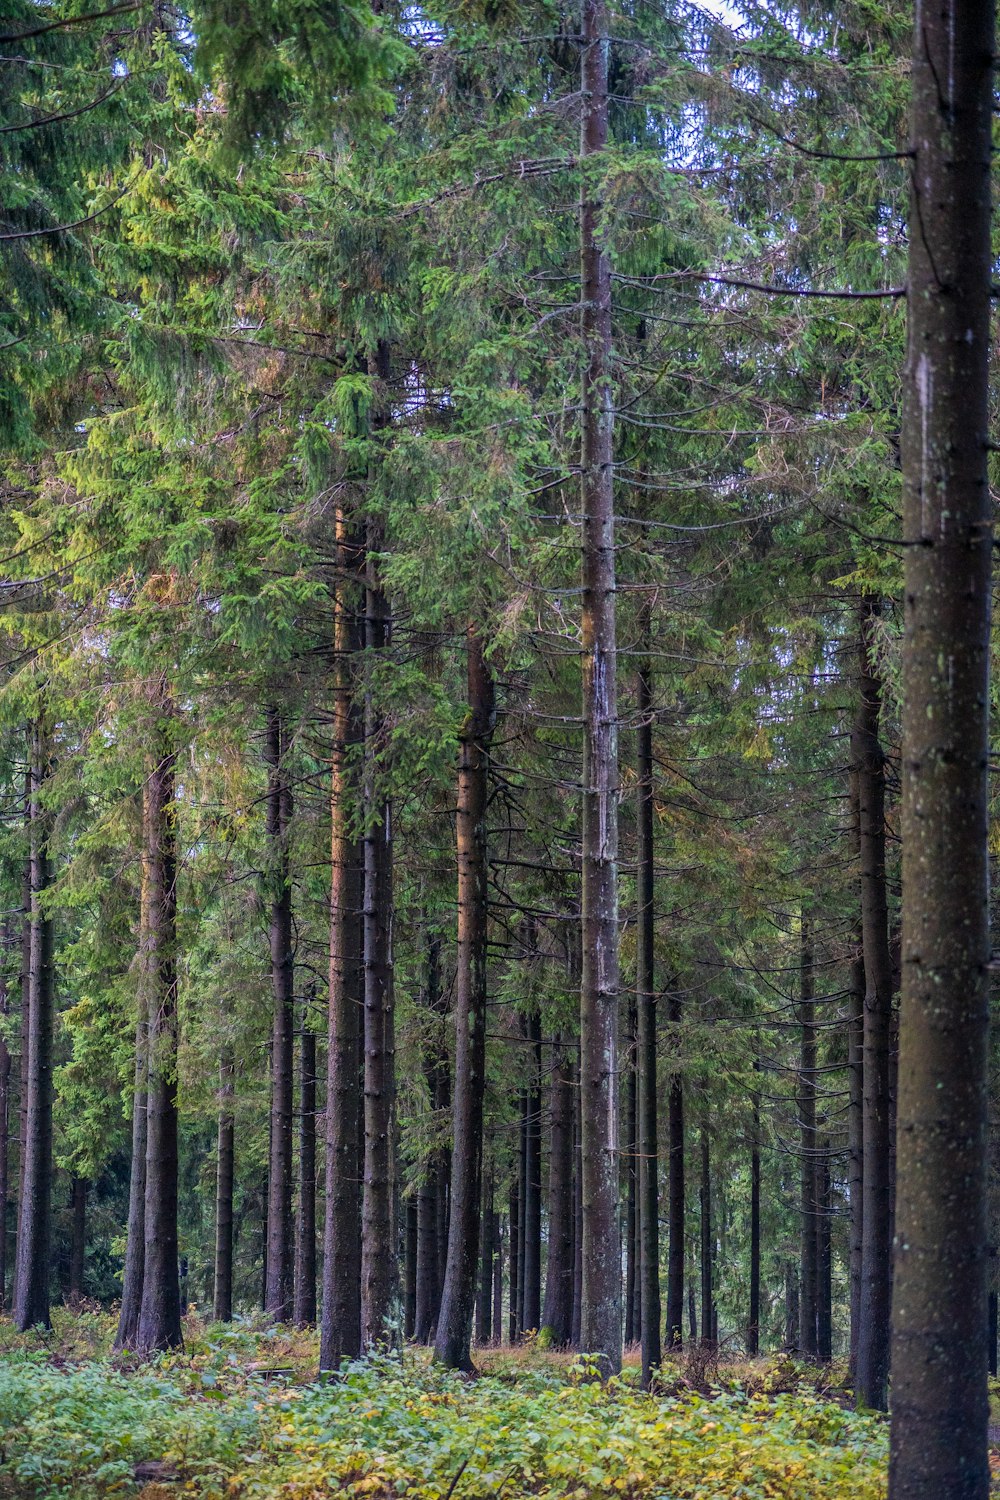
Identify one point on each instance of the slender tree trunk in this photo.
(498, 1283)
(675, 1186)
(522, 1199)
(410, 1267)
(431, 1190)
(127, 1336)
(872, 1379)
(340, 1329)
(22, 1097)
(939, 1394)
(753, 1322)
(278, 1291)
(791, 1307)
(513, 1216)
(557, 1314)
(224, 1179)
(454, 1329)
(78, 1238)
(34, 1232)
(630, 1163)
(705, 1199)
(577, 1215)
(484, 1300)
(5, 1102)
(160, 1309)
(824, 1255)
(808, 1280)
(648, 1154)
(531, 1313)
(305, 1224)
(991, 1331)
(855, 1128)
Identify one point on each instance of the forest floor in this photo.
(240, 1415)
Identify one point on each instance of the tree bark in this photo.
(939, 1394)
(601, 1328)
(160, 1309)
(305, 1224)
(513, 1216)
(855, 1126)
(484, 1300)
(531, 1312)
(753, 1321)
(127, 1336)
(705, 1199)
(648, 1146)
(340, 1329)
(675, 1186)
(410, 1233)
(222, 1309)
(808, 1209)
(278, 1287)
(34, 1230)
(557, 1314)
(872, 1377)
(630, 1163)
(431, 1188)
(454, 1329)
(5, 1103)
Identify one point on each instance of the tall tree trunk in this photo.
(5, 1103)
(34, 1230)
(513, 1216)
(792, 1307)
(340, 1329)
(22, 1096)
(675, 1185)
(531, 1313)
(630, 1163)
(484, 1300)
(127, 1336)
(522, 1197)
(824, 1254)
(705, 1198)
(278, 1288)
(78, 1238)
(601, 1326)
(431, 1188)
(410, 1267)
(379, 1270)
(855, 1132)
(498, 1282)
(577, 1215)
(753, 1321)
(939, 1395)
(454, 1329)
(808, 1209)
(224, 1178)
(160, 1309)
(648, 1146)
(872, 1377)
(305, 1223)
(557, 1314)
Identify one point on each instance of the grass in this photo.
(218, 1423)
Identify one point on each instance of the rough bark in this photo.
(280, 1252)
(557, 1314)
(160, 1308)
(34, 1229)
(872, 1372)
(645, 999)
(222, 1308)
(808, 1209)
(675, 1187)
(939, 1394)
(601, 1330)
(454, 1328)
(340, 1329)
(304, 1310)
(531, 1310)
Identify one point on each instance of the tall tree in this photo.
(648, 1166)
(939, 1398)
(280, 1239)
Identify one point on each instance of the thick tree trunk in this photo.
(305, 1223)
(78, 1238)
(939, 1395)
(648, 1146)
(531, 1311)
(340, 1330)
(557, 1314)
(675, 1186)
(872, 1377)
(753, 1321)
(808, 1208)
(278, 1287)
(224, 1178)
(454, 1329)
(34, 1230)
(601, 1324)
(160, 1309)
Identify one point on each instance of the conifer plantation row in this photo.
(494, 683)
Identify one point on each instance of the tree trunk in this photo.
(5, 1076)
(855, 1128)
(454, 1329)
(513, 1216)
(484, 1300)
(410, 1267)
(160, 1309)
(278, 1288)
(872, 1379)
(675, 1186)
(78, 1238)
(705, 1199)
(600, 1316)
(753, 1321)
(522, 1197)
(791, 1307)
(939, 1394)
(127, 1336)
(824, 1255)
(305, 1224)
(498, 1282)
(630, 1164)
(34, 1231)
(340, 1329)
(224, 1177)
(557, 1315)
(531, 1312)
(808, 1279)
(432, 1187)
(648, 1146)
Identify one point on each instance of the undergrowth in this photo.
(237, 1416)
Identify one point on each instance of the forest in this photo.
(495, 747)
